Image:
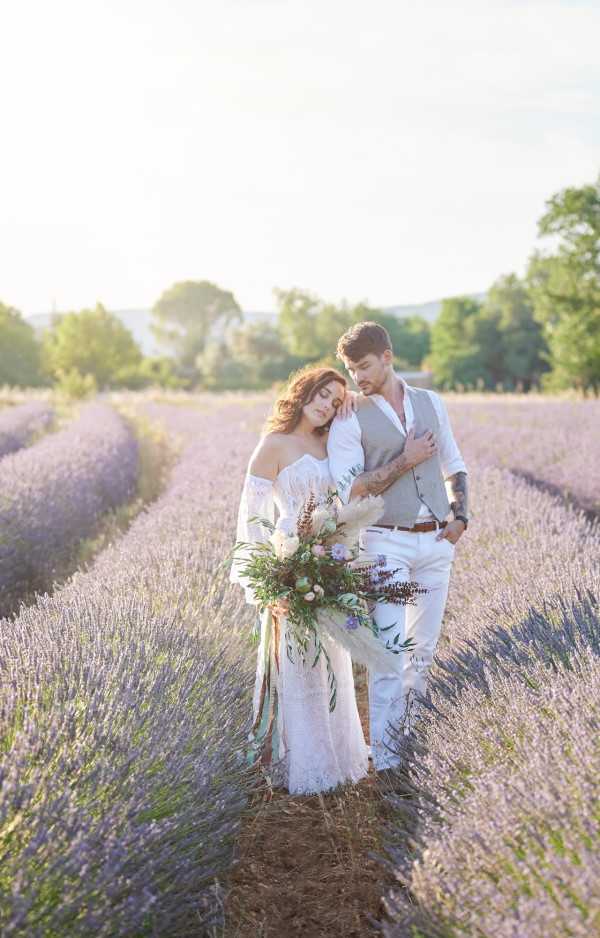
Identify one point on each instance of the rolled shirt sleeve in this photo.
(346, 455)
(450, 456)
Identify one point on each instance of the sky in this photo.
(390, 151)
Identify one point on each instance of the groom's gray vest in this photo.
(382, 442)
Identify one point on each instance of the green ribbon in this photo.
(265, 727)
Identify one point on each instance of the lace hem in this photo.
(310, 783)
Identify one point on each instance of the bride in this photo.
(300, 744)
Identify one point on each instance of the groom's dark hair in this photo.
(362, 339)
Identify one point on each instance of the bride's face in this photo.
(324, 404)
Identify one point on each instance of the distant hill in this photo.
(138, 320)
(429, 311)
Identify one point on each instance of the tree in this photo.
(297, 314)
(515, 349)
(218, 370)
(310, 328)
(332, 322)
(565, 287)
(19, 350)
(72, 384)
(456, 339)
(410, 335)
(259, 349)
(92, 342)
(191, 312)
(158, 370)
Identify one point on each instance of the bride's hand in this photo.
(348, 405)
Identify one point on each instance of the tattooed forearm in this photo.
(458, 487)
(416, 450)
(378, 480)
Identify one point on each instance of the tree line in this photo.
(542, 330)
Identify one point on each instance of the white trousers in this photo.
(393, 698)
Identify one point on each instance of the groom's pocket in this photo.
(446, 547)
(370, 536)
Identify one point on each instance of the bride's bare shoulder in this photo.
(266, 458)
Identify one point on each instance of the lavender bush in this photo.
(19, 424)
(53, 493)
(509, 846)
(125, 703)
(504, 817)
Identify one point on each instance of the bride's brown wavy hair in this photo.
(299, 391)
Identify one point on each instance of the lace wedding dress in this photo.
(312, 749)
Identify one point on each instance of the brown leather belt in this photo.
(416, 528)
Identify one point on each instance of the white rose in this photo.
(309, 597)
(285, 545)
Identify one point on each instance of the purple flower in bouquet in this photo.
(381, 560)
(318, 550)
(341, 552)
(352, 622)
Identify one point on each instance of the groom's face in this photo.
(369, 372)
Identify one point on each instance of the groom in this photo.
(399, 444)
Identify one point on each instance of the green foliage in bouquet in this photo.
(329, 592)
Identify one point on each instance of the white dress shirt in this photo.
(344, 446)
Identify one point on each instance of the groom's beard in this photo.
(370, 388)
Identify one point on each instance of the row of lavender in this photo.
(124, 708)
(21, 423)
(552, 442)
(53, 493)
(503, 830)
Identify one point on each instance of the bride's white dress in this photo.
(317, 749)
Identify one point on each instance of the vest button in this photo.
(417, 477)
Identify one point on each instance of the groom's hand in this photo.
(348, 405)
(452, 532)
(418, 450)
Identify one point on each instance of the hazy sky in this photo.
(387, 150)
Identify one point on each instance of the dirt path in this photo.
(303, 867)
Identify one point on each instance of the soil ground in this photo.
(303, 866)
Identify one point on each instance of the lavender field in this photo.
(21, 424)
(551, 443)
(125, 702)
(501, 836)
(53, 493)
(505, 777)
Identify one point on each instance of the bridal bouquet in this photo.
(330, 592)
